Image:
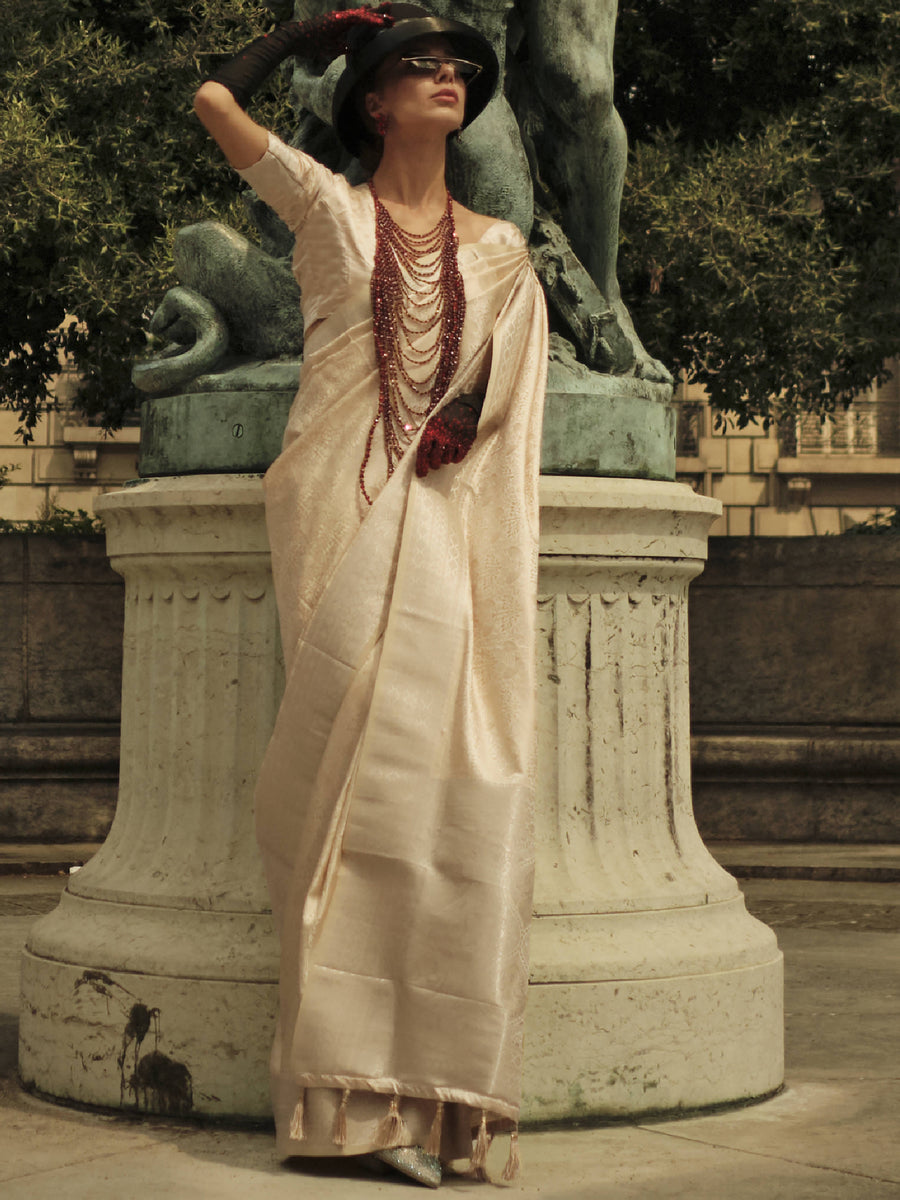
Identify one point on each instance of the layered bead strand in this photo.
(418, 308)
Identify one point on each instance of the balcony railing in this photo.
(867, 427)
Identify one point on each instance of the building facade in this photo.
(803, 479)
(67, 465)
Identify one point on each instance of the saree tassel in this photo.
(479, 1154)
(433, 1145)
(339, 1133)
(511, 1170)
(391, 1130)
(296, 1131)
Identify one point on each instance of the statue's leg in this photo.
(488, 17)
(488, 170)
(311, 89)
(583, 147)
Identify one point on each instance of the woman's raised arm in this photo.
(220, 102)
(240, 139)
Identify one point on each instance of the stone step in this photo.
(868, 862)
(824, 904)
(873, 863)
(40, 858)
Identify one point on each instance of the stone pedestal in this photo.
(652, 988)
(152, 986)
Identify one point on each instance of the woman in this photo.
(394, 802)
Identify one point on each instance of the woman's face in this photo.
(413, 102)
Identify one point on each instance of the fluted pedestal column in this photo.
(152, 985)
(652, 988)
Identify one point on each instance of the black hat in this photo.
(368, 46)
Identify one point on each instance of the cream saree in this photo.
(394, 803)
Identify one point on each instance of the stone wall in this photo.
(795, 662)
(61, 613)
(795, 689)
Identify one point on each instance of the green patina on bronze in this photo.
(213, 432)
(614, 427)
(606, 427)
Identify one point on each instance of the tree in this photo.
(102, 161)
(760, 222)
(761, 232)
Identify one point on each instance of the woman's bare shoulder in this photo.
(472, 226)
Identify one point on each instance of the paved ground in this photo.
(833, 1132)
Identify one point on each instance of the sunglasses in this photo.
(427, 64)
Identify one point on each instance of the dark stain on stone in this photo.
(96, 979)
(104, 985)
(669, 768)
(158, 1083)
(589, 741)
(618, 685)
(139, 1021)
(138, 1024)
(551, 646)
(161, 1085)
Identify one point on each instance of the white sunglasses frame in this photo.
(434, 58)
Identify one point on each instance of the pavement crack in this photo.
(78, 1162)
(796, 1162)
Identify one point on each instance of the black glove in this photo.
(450, 434)
(318, 40)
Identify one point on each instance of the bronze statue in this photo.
(548, 153)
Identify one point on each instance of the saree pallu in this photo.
(394, 804)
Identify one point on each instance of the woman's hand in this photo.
(450, 434)
(328, 34)
(318, 40)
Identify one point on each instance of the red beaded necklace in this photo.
(418, 307)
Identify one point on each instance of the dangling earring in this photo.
(381, 124)
(457, 135)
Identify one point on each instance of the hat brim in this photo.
(466, 41)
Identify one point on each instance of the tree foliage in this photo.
(760, 222)
(761, 235)
(102, 161)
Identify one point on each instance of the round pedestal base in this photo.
(644, 1041)
(149, 1043)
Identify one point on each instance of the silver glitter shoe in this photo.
(413, 1162)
